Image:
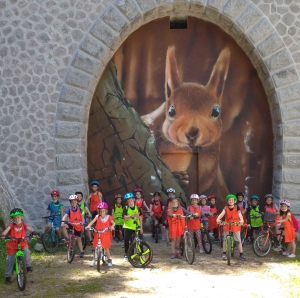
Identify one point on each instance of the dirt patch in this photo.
(209, 276)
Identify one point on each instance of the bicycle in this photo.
(71, 243)
(20, 263)
(139, 253)
(100, 253)
(50, 239)
(244, 233)
(230, 243)
(187, 244)
(267, 239)
(206, 240)
(118, 233)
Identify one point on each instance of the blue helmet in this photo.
(95, 182)
(129, 195)
(254, 197)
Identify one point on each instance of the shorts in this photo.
(236, 236)
(159, 219)
(56, 221)
(76, 233)
(128, 234)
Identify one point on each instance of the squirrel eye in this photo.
(172, 111)
(215, 112)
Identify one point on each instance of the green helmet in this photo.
(231, 196)
(16, 212)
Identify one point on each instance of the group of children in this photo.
(125, 219)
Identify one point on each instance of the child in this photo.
(289, 230)
(95, 198)
(139, 201)
(56, 211)
(86, 213)
(255, 217)
(16, 229)
(194, 223)
(205, 211)
(129, 226)
(103, 221)
(75, 217)
(156, 212)
(272, 208)
(117, 211)
(171, 196)
(212, 220)
(232, 214)
(176, 221)
(242, 205)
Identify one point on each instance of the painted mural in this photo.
(201, 119)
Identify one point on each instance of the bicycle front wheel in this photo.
(71, 249)
(140, 254)
(21, 271)
(50, 241)
(243, 234)
(228, 249)
(98, 254)
(221, 236)
(189, 247)
(262, 245)
(206, 242)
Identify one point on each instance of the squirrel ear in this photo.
(172, 77)
(218, 76)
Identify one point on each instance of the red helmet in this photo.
(118, 196)
(212, 196)
(55, 192)
(138, 190)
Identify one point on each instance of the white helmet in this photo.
(73, 197)
(194, 196)
(170, 190)
(286, 202)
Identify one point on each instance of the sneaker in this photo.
(285, 253)
(61, 241)
(291, 256)
(224, 258)
(178, 256)
(8, 280)
(173, 256)
(242, 257)
(125, 259)
(29, 269)
(109, 263)
(201, 250)
(81, 255)
(92, 264)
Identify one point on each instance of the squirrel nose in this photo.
(192, 133)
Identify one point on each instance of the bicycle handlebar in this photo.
(73, 223)
(232, 223)
(100, 231)
(52, 216)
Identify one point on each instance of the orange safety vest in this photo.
(194, 224)
(212, 220)
(176, 225)
(157, 209)
(273, 210)
(95, 199)
(76, 217)
(16, 231)
(232, 215)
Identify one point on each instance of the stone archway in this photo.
(241, 19)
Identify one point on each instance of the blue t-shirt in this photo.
(55, 208)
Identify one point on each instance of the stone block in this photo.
(225, 22)
(69, 177)
(289, 94)
(104, 33)
(291, 192)
(290, 111)
(146, 5)
(73, 95)
(212, 14)
(279, 60)
(291, 128)
(273, 100)
(216, 4)
(68, 130)
(249, 17)
(67, 190)
(86, 63)
(236, 32)
(233, 8)
(68, 112)
(114, 19)
(198, 7)
(69, 162)
(69, 146)
(128, 8)
(291, 145)
(78, 79)
(286, 77)
(260, 31)
(270, 45)
(277, 115)
(291, 161)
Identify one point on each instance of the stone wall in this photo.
(52, 54)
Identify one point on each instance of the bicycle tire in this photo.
(104, 257)
(207, 244)
(181, 246)
(189, 247)
(22, 274)
(262, 245)
(71, 250)
(99, 257)
(228, 249)
(84, 239)
(140, 255)
(50, 241)
(232, 248)
(221, 236)
(156, 233)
